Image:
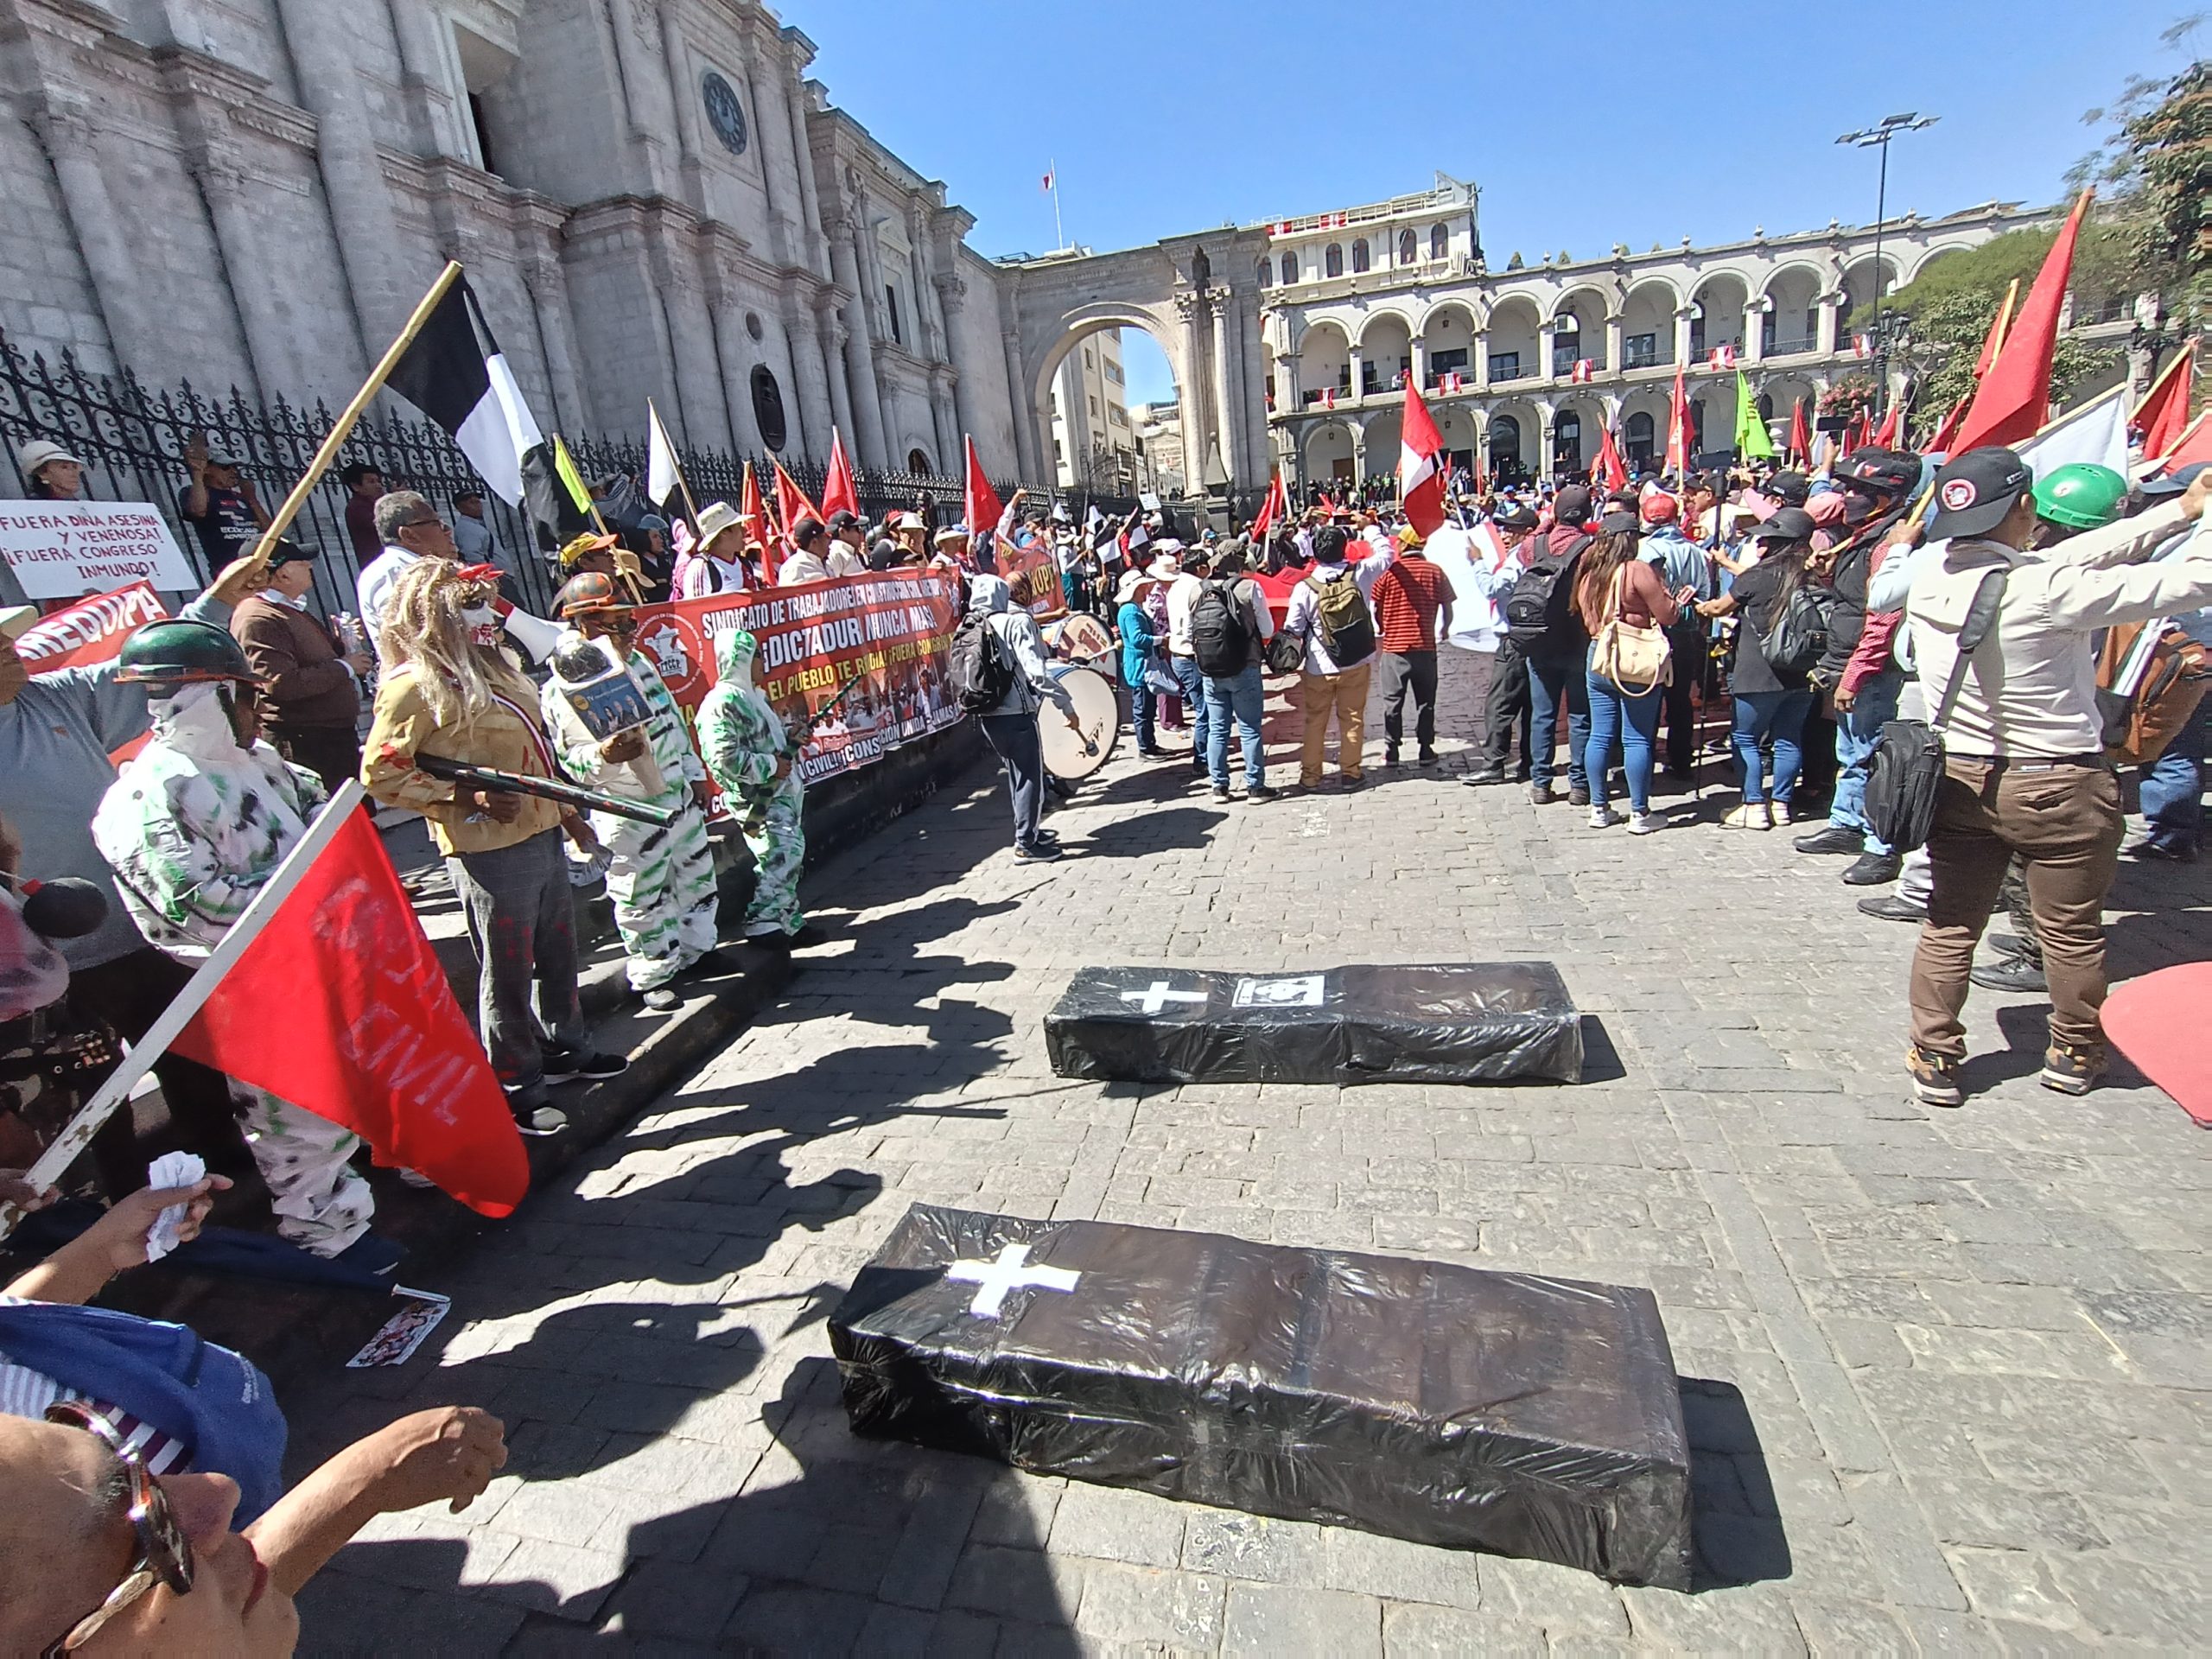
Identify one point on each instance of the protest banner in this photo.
(1032, 577)
(92, 633)
(65, 550)
(892, 632)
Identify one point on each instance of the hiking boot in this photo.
(1934, 1079)
(1483, 775)
(1894, 907)
(2014, 974)
(1835, 838)
(2072, 1070)
(1874, 870)
(1542, 794)
(1578, 797)
(566, 1065)
(1752, 815)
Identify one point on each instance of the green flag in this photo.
(1753, 439)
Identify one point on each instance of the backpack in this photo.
(1799, 636)
(1907, 766)
(1221, 630)
(1340, 612)
(2147, 690)
(980, 667)
(1536, 608)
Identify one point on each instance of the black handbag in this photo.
(1907, 767)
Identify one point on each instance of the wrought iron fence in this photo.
(132, 441)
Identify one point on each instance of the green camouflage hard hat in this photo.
(2081, 496)
(181, 653)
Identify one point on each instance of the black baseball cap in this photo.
(1571, 505)
(2158, 489)
(1880, 471)
(842, 520)
(287, 551)
(1974, 492)
(1791, 489)
(1786, 524)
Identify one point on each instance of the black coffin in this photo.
(1532, 1417)
(1456, 1022)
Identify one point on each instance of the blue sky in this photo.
(1583, 125)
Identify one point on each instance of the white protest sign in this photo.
(65, 550)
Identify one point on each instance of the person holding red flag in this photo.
(194, 825)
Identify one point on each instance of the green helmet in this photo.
(181, 653)
(2081, 496)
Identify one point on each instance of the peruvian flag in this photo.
(982, 505)
(2163, 414)
(1585, 371)
(1862, 345)
(1328, 397)
(1273, 510)
(1610, 467)
(2014, 396)
(1801, 435)
(371, 1036)
(1677, 459)
(1720, 357)
(1454, 381)
(1420, 466)
(840, 491)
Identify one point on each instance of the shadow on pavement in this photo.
(1736, 1521)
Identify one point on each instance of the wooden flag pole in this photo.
(327, 453)
(78, 1134)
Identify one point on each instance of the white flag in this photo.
(2095, 432)
(660, 459)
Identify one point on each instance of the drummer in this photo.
(1011, 728)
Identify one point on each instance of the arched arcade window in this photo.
(918, 460)
(1290, 268)
(1566, 442)
(1638, 437)
(1332, 262)
(1439, 241)
(1408, 246)
(1504, 444)
(1360, 259)
(1263, 273)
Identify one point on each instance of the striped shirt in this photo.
(27, 1393)
(1407, 596)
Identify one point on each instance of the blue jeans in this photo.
(2173, 789)
(1857, 730)
(1238, 695)
(1194, 693)
(1144, 703)
(1635, 723)
(1551, 683)
(1777, 714)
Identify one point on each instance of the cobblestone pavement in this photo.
(1939, 1367)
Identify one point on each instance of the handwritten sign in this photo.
(67, 549)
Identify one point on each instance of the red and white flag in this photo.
(1585, 371)
(1420, 466)
(840, 490)
(1720, 357)
(1328, 397)
(1862, 345)
(1454, 381)
(371, 1037)
(1048, 179)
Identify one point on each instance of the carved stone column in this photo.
(66, 129)
(952, 298)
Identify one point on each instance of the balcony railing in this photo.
(1782, 345)
(1634, 356)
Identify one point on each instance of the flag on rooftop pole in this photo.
(2163, 414)
(453, 371)
(840, 490)
(1420, 466)
(2014, 396)
(1752, 438)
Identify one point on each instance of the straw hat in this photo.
(716, 518)
(1133, 583)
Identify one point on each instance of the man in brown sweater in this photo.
(311, 682)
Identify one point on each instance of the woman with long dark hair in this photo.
(1772, 699)
(1614, 586)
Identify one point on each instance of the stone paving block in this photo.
(1559, 1599)
(1274, 1619)
(1029, 1586)
(1399, 1571)
(1151, 1609)
(1112, 1524)
(784, 1618)
(1256, 1546)
(563, 1579)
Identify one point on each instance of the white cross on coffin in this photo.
(1011, 1272)
(1156, 996)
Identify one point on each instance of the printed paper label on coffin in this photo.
(1529, 1416)
(1459, 1022)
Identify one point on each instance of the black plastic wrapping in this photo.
(1457, 1022)
(1532, 1417)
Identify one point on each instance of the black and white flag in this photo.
(454, 373)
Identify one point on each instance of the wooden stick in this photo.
(327, 453)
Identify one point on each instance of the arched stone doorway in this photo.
(1086, 435)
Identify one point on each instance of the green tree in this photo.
(2155, 166)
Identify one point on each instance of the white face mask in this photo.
(483, 624)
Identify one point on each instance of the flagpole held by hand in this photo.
(326, 454)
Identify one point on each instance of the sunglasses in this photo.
(164, 1554)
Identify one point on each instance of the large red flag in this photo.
(1999, 325)
(1272, 508)
(982, 505)
(1886, 435)
(2015, 395)
(2193, 445)
(840, 491)
(1678, 430)
(339, 1005)
(1610, 469)
(1801, 435)
(1941, 444)
(754, 512)
(792, 503)
(2162, 415)
(1421, 465)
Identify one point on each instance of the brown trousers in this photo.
(2065, 824)
(1345, 695)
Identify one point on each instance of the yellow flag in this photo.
(564, 465)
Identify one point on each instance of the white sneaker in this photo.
(1645, 824)
(1753, 815)
(1604, 817)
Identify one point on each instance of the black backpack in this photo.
(1536, 608)
(1907, 766)
(980, 667)
(1799, 636)
(1221, 630)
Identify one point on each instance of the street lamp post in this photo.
(1878, 136)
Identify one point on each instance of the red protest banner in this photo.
(90, 631)
(892, 632)
(1032, 574)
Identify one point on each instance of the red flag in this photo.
(792, 503)
(1276, 506)
(1885, 435)
(1854, 434)
(982, 505)
(1941, 444)
(1420, 466)
(1329, 506)
(840, 491)
(370, 1036)
(1678, 430)
(1998, 326)
(1609, 462)
(1801, 435)
(2164, 413)
(754, 511)
(2193, 445)
(2015, 395)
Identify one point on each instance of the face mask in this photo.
(483, 624)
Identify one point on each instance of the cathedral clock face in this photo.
(724, 113)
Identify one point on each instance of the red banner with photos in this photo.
(875, 647)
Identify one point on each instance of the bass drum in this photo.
(1073, 752)
(1079, 638)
